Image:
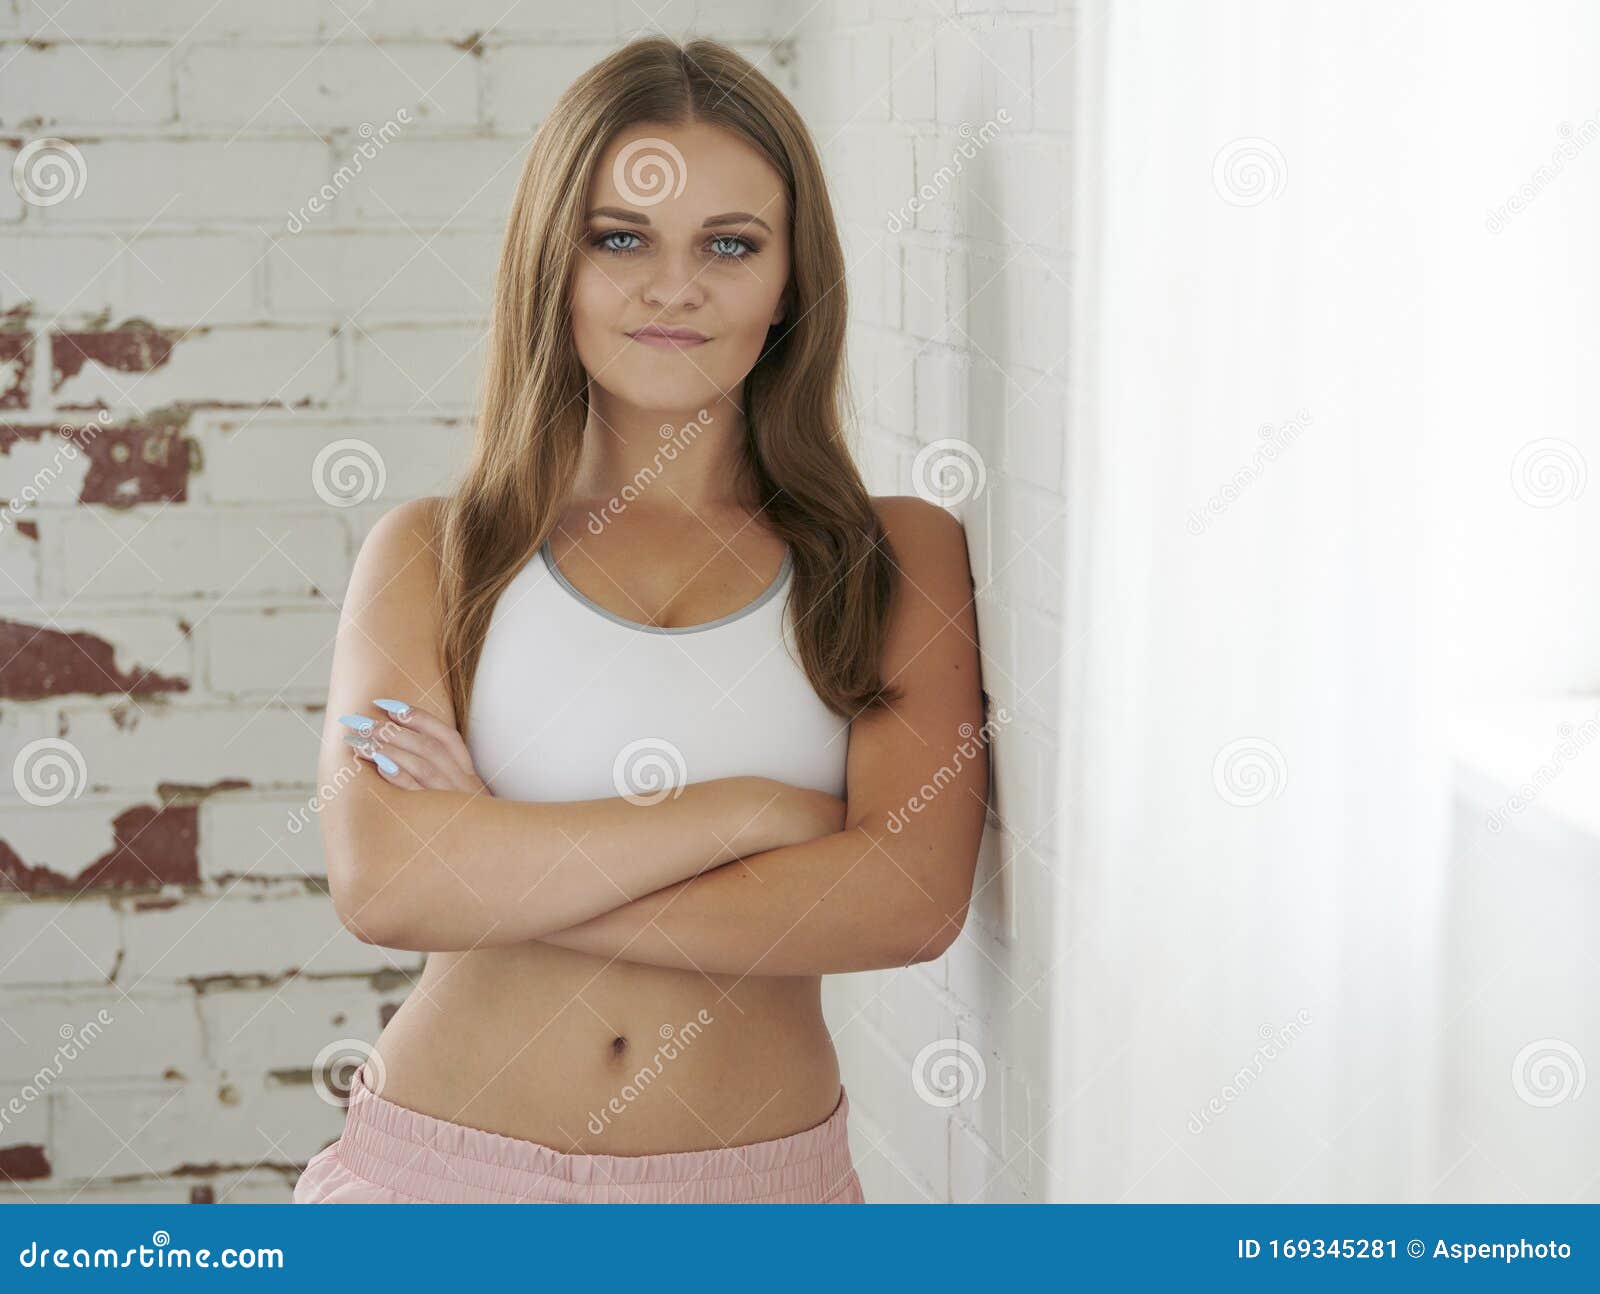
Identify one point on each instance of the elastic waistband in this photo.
(434, 1160)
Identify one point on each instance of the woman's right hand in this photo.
(783, 814)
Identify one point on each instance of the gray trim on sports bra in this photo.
(762, 599)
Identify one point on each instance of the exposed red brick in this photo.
(16, 366)
(29, 529)
(144, 460)
(12, 433)
(25, 1163)
(153, 847)
(202, 1195)
(134, 347)
(386, 1013)
(41, 662)
(137, 464)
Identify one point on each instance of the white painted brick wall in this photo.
(205, 131)
(959, 321)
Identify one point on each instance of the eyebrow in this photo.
(711, 222)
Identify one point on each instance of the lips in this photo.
(669, 338)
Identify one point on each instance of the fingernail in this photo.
(389, 767)
(397, 708)
(363, 744)
(359, 722)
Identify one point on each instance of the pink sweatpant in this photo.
(390, 1154)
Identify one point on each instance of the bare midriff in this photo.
(596, 1056)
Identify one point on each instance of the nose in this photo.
(671, 283)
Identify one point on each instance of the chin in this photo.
(680, 399)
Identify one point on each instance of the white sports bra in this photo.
(572, 702)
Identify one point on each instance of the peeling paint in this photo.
(203, 984)
(290, 1077)
(140, 460)
(137, 464)
(15, 433)
(24, 1163)
(134, 347)
(16, 367)
(215, 1167)
(152, 847)
(43, 662)
(194, 792)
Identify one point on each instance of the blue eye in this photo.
(603, 243)
(733, 256)
(615, 233)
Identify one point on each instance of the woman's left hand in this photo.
(413, 749)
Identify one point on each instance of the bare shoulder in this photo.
(933, 624)
(406, 528)
(388, 639)
(930, 545)
(401, 549)
(931, 657)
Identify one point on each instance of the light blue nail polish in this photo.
(388, 765)
(359, 722)
(400, 708)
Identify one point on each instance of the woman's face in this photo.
(687, 229)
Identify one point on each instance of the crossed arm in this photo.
(891, 887)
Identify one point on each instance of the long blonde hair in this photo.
(533, 405)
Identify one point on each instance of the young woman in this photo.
(658, 713)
